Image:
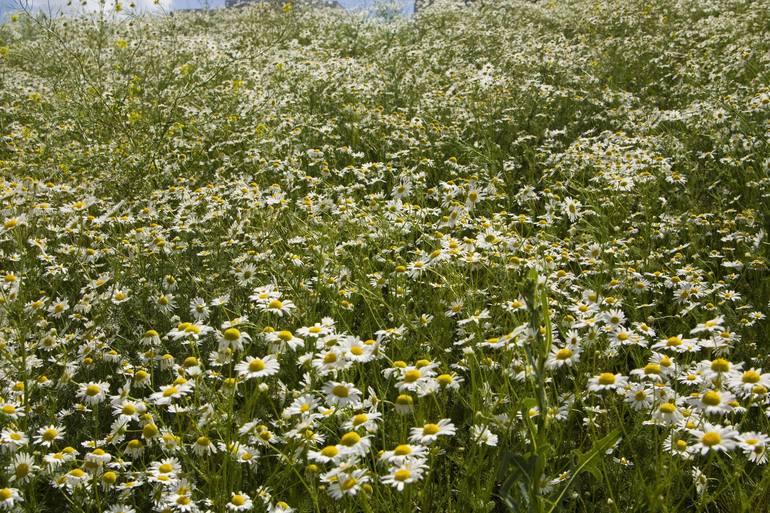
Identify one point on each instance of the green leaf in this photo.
(587, 461)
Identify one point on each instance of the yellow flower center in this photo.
(341, 391)
(50, 434)
(256, 365)
(285, 335)
(607, 378)
(22, 469)
(170, 391)
(330, 358)
(5, 493)
(667, 408)
(652, 368)
(402, 475)
(165, 468)
(330, 451)
(275, 304)
(192, 328)
(350, 439)
(711, 398)
(402, 450)
(404, 400)
(231, 334)
(564, 354)
(357, 351)
(751, 376)
(92, 390)
(238, 500)
(349, 483)
(412, 375)
(673, 341)
(430, 429)
(711, 438)
(360, 419)
(720, 365)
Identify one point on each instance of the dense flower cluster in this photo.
(281, 259)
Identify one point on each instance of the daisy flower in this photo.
(330, 362)
(363, 420)
(483, 435)
(11, 410)
(168, 393)
(253, 368)
(561, 356)
(346, 483)
(353, 349)
(412, 377)
(278, 307)
(746, 382)
(676, 445)
(199, 309)
(281, 339)
(677, 344)
(607, 381)
(713, 402)
(166, 302)
(232, 338)
(408, 472)
(754, 446)
(666, 414)
(353, 443)
(281, 507)
(119, 295)
(9, 497)
(93, 392)
(403, 452)
(341, 394)
(430, 432)
(21, 468)
(240, 502)
(203, 446)
(47, 435)
(189, 330)
(714, 437)
(305, 404)
(710, 326)
(315, 331)
(151, 338)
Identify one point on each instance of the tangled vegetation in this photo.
(504, 257)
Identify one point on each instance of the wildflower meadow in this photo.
(510, 256)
